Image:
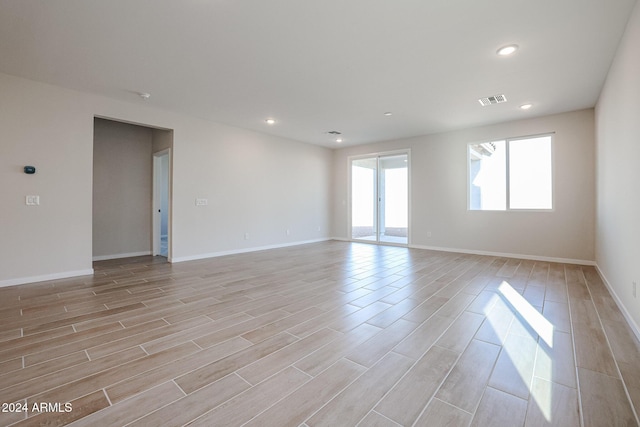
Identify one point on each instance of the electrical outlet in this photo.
(246, 236)
(428, 234)
(634, 289)
(288, 232)
(202, 202)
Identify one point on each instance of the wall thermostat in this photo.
(29, 170)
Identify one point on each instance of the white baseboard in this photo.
(118, 256)
(632, 324)
(488, 253)
(45, 277)
(245, 250)
(508, 255)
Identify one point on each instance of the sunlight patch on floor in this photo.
(534, 319)
(525, 312)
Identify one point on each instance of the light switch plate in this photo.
(32, 200)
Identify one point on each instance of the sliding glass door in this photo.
(393, 195)
(364, 196)
(380, 198)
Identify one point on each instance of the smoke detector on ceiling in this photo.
(495, 99)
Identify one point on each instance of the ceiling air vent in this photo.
(334, 132)
(496, 99)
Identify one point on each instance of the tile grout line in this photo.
(372, 411)
(615, 360)
(444, 379)
(310, 378)
(575, 355)
(104, 391)
(184, 276)
(434, 343)
(173, 381)
(338, 393)
(86, 376)
(535, 359)
(538, 348)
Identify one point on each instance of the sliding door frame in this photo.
(378, 155)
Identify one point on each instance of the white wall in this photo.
(53, 131)
(261, 185)
(618, 174)
(439, 189)
(255, 183)
(122, 189)
(162, 139)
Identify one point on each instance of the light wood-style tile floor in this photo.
(327, 334)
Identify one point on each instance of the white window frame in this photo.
(551, 135)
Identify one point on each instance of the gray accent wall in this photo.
(122, 189)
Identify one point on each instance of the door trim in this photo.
(156, 201)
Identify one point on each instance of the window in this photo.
(511, 174)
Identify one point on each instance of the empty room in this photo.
(335, 213)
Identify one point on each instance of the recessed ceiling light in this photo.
(526, 106)
(144, 95)
(339, 140)
(507, 50)
(270, 121)
(388, 113)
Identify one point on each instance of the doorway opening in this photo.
(380, 198)
(125, 159)
(161, 190)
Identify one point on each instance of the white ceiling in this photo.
(322, 65)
